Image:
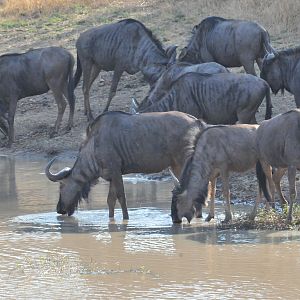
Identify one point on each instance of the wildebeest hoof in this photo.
(52, 133)
(227, 220)
(208, 218)
(176, 221)
(189, 217)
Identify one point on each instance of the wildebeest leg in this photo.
(61, 105)
(226, 193)
(292, 188)
(246, 117)
(277, 178)
(71, 113)
(259, 61)
(198, 210)
(211, 213)
(115, 81)
(257, 202)
(119, 186)
(90, 72)
(111, 199)
(11, 119)
(248, 64)
(268, 172)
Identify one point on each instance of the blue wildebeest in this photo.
(219, 150)
(125, 46)
(218, 98)
(119, 143)
(34, 73)
(173, 72)
(282, 71)
(231, 43)
(278, 142)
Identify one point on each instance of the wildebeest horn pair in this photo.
(175, 180)
(59, 175)
(134, 106)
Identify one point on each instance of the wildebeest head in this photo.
(272, 73)
(70, 191)
(153, 71)
(182, 205)
(190, 56)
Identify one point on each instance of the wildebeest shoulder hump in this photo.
(147, 30)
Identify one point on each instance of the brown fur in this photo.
(220, 150)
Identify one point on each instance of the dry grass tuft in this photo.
(35, 8)
(266, 220)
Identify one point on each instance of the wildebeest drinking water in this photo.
(229, 42)
(34, 73)
(219, 150)
(123, 46)
(119, 143)
(172, 73)
(278, 143)
(282, 71)
(217, 98)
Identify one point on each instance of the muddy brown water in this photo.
(87, 256)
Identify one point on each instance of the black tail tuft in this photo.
(262, 182)
(78, 72)
(269, 105)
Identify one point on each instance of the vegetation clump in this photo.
(266, 219)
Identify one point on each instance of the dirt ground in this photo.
(36, 115)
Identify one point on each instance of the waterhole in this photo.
(87, 256)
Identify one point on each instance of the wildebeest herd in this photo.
(198, 118)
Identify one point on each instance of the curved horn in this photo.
(270, 56)
(134, 106)
(58, 176)
(175, 180)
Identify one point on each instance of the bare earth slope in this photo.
(171, 22)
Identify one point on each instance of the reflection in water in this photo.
(87, 256)
(8, 190)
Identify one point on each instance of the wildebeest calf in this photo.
(34, 73)
(119, 143)
(219, 150)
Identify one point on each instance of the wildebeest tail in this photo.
(269, 105)
(78, 72)
(266, 43)
(262, 181)
(71, 87)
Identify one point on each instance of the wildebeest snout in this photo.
(60, 208)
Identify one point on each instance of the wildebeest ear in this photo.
(195, 29)
(172, 56)
(170, 51)
(182, 53)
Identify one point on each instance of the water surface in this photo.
(87, 256)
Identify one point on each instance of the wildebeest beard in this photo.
(80, 196)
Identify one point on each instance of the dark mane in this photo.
(289, 52)
(211, 21)
(148, 31)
